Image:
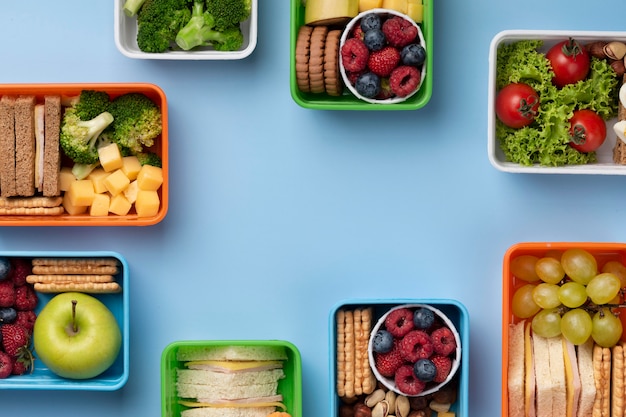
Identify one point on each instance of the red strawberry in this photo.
(25, 298)
(404, 80)
(20, 367)
(14, 339)
(399, 322)
(6, 365)
(354, 55)
(20, 269)
(388, 363)
(416, 345)
(407, 382)
(384, 61)
(7, 293)
(443, 341)
(399, 31)
(26, 319)
(443, 365)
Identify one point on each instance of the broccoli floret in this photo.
(81, 171)
(89, 103)
(136, 121)
(228, 13)
(149, 158)
(158, 22)
(131, 7)
(79, 137)
(203, 29)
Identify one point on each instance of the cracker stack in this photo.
(354, 375)
(91, 275)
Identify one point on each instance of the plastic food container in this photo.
(348, 101)
(603, 252)
(344, 76)
(125, 32)
(455, 313)
(289, 387)
(117, 375)
(160, 147)
(605, 164)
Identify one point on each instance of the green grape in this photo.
(579, 265)
(523, 305)
(523, 267)
(607, 328)
(546, 295)
(549, 270)
(616, 267)
(547, 323)
(572, 294)
(576, 326)
(603, 288)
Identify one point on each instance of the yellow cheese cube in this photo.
(110, 157)
(116, 182)
(147, 203)
(397, 5)
(119, 205)
(66, 178)
(100, 205)
(97, 176)
(415, 10)
(365, 5)
(70, 208)
(81, 193)
(131, 192)
(131, 166)
(150, 178)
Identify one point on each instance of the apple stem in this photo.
(74, 327)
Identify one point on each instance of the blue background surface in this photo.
(278, 212)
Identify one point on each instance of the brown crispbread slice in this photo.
(7, 144)
(44, 279)
(25, 145)
(52, 154)
(88, 287)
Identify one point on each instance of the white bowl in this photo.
(125, 31)
(605, 164)
(456, 359)
(344, 36)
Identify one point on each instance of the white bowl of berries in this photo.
(382, 56)
(414, 349)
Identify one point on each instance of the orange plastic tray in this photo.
(160, 147)
(603, 252)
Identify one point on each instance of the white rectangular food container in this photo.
(125, 32)
(605, 165)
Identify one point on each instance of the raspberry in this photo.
(7, 293)
(384, 61)
(443, 365)
(399, 322)
(20, 269)
(407, 382)
(404, 80)
(416, 345)
(354, 55)
(25, 298)
(388, 363)
(6, 365)
(26, 319)
(358, 32)
(443, 341)
(399, 32)
(20, 367)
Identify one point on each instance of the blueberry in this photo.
(413, 54)
(425, 370)
(370, 21)
(374, 39)
(368, 85)
(423, 318)
(383, 341)
(5, 268)
(8, 315)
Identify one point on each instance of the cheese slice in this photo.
(529, 371)
(573, 385)
(330, 12)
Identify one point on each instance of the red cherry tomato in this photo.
(587, 131)
(517, 105)
(570, 62)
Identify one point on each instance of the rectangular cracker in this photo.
(341, 355)
(88, 287)
(369, 379)
(617, 381)
(31, 211)
(76, 261)
(32, 279)
(358, 352)
(602, 376)
(349, 354)
(75, 270)
(30, 202)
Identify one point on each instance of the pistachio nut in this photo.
(381, 409)
(439, 407)
(403, 406)
(615, 50)
(375, 397)
(390, 397)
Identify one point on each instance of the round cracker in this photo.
(332, 77)
(303, 50)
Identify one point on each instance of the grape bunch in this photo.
(565, 293)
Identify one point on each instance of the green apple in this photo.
(76, 336)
